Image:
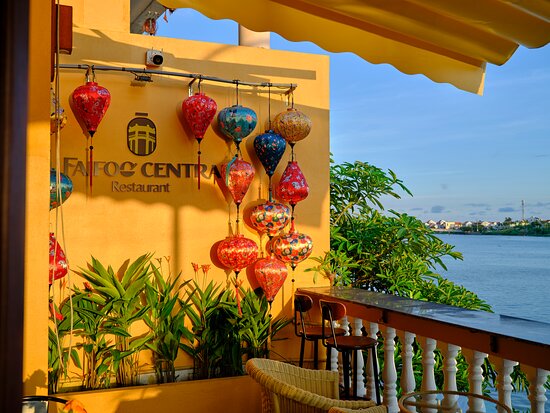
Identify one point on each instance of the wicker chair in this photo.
(375, 409)
(286, 388)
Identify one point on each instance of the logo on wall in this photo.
(141, 136)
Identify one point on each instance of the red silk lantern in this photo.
(292, 187)
(199, 111)
(270, 218)
(89, 103)
(271, 274)
(58, 261)
(292, 248)
(235, 253)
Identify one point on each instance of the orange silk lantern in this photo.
(292, 125)
(235, 253)
(271, 274)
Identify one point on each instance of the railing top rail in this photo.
(517, 339)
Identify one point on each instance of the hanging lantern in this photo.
(235, 253)
(58, 261)
(237, 122)
(199, 111)
(58, 117)
(292, 125)
(269, 148)
(149, 26)
(270, 218)
(271, 274)
(89, 103)
(292, 248)
(292, 187)
(237, 175)
(66, 189)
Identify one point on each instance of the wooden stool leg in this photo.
(346, 366)
(302, 345)
(354, 373)
(316, 354)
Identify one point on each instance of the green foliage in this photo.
(220, 335)
(166, 320)
(108, 308)
(388, 251)
(58, 348)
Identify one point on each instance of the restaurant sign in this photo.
(122, 172)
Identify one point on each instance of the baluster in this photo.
(389, 374)
(407, 382)
(359, 378)
(537, 396)
(450, 352)
(428, 361)
(372, 332)
(343, 323)
(504, 386)
(475, 377)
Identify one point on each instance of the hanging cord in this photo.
(270, 188)
(91, 72)
(237, 90)
(59, 209)
(199, 166)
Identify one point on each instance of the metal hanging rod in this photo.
(194, 76)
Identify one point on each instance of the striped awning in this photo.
(449, 41)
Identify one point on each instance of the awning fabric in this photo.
(449, 41)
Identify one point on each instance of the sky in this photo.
(464, 157)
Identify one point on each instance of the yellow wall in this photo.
(185, 223)
(35, 338)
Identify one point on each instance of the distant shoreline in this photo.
(518, 233)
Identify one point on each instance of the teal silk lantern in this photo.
(237, 122)
(66, 189)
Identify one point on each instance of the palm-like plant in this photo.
(165, 318)
(118, 300)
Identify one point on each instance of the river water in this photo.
(511, 273)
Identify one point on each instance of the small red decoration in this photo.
(58, 261)
(271, 274)
(89, 103)
(199, 111)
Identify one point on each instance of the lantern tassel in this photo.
(237, 296)
(91, 163)
(199, 165)
(269, 330)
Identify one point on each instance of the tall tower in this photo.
(522, 210)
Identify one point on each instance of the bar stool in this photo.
(347, 345)
(304, 328)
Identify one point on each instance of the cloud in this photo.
(542, 204)
(444, 186)
(437, 209)
(506, 209)
(477, 205)
(416, 209)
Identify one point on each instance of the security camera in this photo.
(154, 58)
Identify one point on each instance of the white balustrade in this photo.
(537, 392)
(408, 384)
(504, 386)
(359, 377)
(372, 332)
(389, 373)
(475, 377)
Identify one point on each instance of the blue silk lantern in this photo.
(269, 148)
(66, 188)
(237, 122)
